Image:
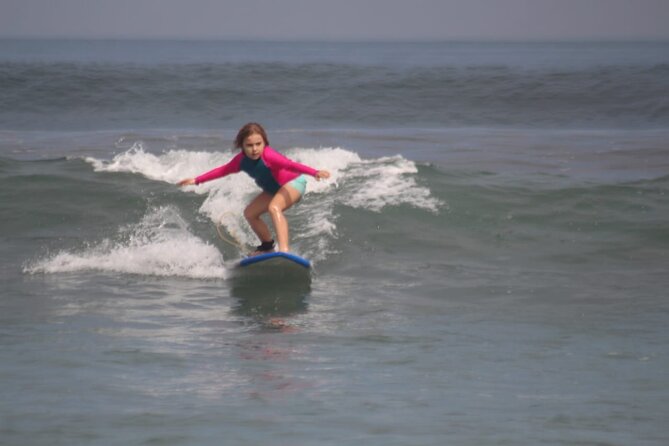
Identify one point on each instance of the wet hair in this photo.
(249, 129)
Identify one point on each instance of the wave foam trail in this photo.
(169, 167)
(159, 245)
(387, 181)
(366, 184)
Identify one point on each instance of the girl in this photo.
(281, 179)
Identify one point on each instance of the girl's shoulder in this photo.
(269, 151)
(270, 154)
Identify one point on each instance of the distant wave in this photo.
(84, 96)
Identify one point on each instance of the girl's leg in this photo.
(253, 211)
(283, 200)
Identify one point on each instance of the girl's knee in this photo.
(250, 213)
(274, 209)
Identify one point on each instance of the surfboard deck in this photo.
(275, 258)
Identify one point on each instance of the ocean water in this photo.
(490, 254)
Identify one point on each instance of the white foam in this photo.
(159, 245)
(387, 181)
(169, 167)
(368, 184)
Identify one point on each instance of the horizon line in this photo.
(602, 39)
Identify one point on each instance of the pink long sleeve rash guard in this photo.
(282, 169)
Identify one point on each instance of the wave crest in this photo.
(159, 245)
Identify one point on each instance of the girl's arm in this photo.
(233, 166)
(274, 159)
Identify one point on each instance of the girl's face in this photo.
(254, 145)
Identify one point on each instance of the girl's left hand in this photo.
(186, 182)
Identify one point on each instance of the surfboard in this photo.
(275, 258)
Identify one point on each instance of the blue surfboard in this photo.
(275, 258)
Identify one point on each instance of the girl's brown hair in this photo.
(250, 129)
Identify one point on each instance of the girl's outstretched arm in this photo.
(233, 166)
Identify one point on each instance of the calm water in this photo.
(490, 253)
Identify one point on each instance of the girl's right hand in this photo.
(186, 182)
(322, 174)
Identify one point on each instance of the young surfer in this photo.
(281, 179)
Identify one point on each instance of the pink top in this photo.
(283, 169)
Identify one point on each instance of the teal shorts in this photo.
(299, 184)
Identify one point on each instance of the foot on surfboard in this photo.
(263, 248)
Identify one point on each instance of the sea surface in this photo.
(490, 255)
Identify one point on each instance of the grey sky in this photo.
(338, 19)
